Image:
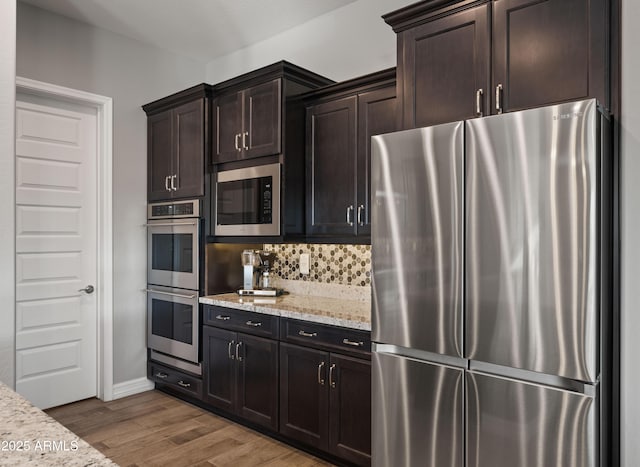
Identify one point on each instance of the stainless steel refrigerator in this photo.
(491, 258)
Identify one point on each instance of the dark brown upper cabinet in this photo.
(549, 51)
(177, 144)
(248, 122)
(249, 111)
(459, 60)
(340, 122)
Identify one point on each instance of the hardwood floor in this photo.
(155, 429)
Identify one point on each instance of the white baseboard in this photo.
(131, 387)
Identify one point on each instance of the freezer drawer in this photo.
(532, 232)
(512, 423)
(417, 413)
(416, 238)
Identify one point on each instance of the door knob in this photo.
(88, 289)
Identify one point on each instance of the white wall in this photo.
(62, 51)
(344, 43)
(7, 226)
(630, 232)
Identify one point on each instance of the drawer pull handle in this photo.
(332, 382)
(223, 317)
(161, 375)
(353, 343)
(320, 379)
(307, 334)
(254, 323)
(183, 384)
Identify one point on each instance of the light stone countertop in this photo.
(30, 437)
(354, 314)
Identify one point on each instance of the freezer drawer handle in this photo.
(332, 382)
(223, 317)
(161, 375)
(307, 334)
(320, 379)
(353, 343)
(255, 324)
(183, 384)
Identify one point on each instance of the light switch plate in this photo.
(304, 263)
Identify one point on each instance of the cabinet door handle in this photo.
(353, 343)
(166, 183)
(244, 140)
(255, 324)
(349, 211)
(161, 375)
(360, 211)
(499, 98)
(332, 382)
(236, 144)
(479, 93)
(320, 378)
(307, 334)
(238, 356)
(183, 384)
(231, 356)
(223, 317)
(173, 182)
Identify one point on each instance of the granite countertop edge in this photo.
(339, 316)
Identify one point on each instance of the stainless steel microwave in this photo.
(248, 201)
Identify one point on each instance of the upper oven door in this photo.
(248, 201)
(172, 253)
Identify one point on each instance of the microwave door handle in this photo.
(169, 224)
(170, 293)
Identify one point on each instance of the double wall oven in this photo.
(174, 260)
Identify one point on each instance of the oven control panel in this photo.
(174, 210)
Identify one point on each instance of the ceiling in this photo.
(200, 29)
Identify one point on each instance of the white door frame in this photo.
(104, 109)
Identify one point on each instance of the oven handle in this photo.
(169, 224)
(169, 293)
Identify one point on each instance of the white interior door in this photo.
(56, 251)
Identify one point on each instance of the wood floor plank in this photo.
(156, 429)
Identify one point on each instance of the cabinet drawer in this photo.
(174, 379)
(326, 337)
(239, 320)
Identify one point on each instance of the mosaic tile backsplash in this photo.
(331, 264)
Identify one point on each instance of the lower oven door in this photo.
(173, 253)
(172, 322)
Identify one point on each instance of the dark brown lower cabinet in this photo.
(241, 375)
(325, 401)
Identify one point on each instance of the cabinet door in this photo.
(331, 167)
(219, 367)
(350, 409)
(258, 380)
(228, 127)
(159, 155)
(376, 115)
(444, 63)
(548, 51)
(304, 408)
(188, 163)
(262, 120)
